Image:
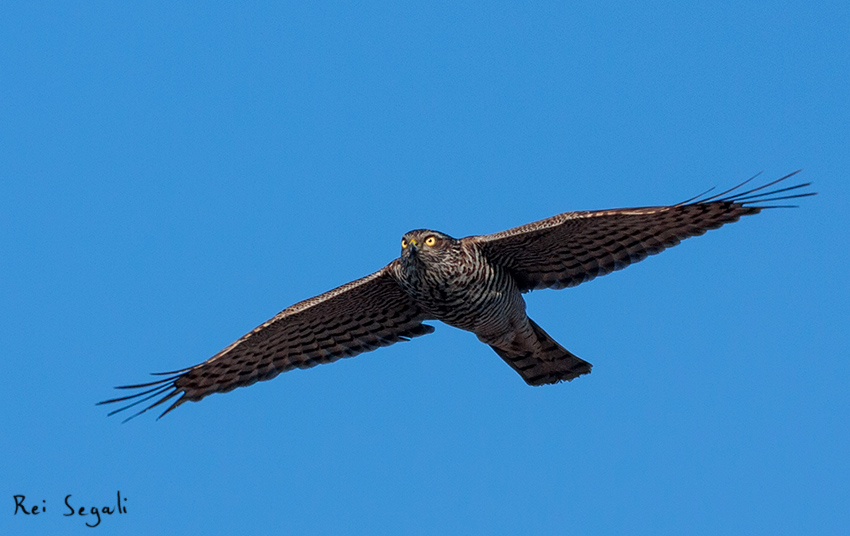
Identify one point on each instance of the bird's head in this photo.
(424, 245)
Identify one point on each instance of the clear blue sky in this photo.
(173, 175)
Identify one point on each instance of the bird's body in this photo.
(454, 282)
(474, 283)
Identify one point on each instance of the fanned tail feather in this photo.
(543, 360)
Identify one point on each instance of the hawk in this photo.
(474, 283)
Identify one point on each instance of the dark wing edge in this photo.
(357, 317)
(749, 197)
(574, 247)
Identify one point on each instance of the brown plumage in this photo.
(474, 283)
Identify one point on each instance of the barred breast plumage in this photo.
(453, 282)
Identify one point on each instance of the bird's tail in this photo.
(542, 360)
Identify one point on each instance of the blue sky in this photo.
(173, 175)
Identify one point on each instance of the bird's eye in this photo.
(403, 243)
(430, 241)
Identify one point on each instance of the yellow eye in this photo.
(403, 243)
(430, 241)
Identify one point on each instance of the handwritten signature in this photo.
(120, 507)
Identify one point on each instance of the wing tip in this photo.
(162, 391)
(755, 198)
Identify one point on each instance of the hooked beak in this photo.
(412, 247)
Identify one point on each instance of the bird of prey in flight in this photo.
(474, 283)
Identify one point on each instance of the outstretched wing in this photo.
(574, 247)
(358, 317)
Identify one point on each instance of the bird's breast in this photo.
(468, 293)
